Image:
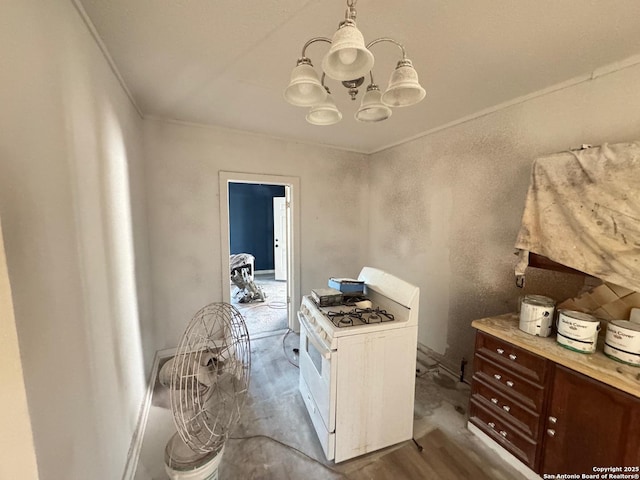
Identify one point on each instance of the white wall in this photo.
(450, 203)
(183, 162)
(70, 159)
(17, 451)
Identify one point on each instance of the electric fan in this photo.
(208, 386)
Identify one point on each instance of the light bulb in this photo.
(348, 55)
(305, 88)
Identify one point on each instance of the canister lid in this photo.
(539, 300)
(579, 315)
(626, 324)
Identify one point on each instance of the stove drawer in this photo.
(327, 440)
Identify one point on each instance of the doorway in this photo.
(259, 221)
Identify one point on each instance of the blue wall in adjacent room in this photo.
(251, 221)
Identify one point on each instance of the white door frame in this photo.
(280, 237)
(293, 242)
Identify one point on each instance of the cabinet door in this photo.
(375, 390)
(589, 425)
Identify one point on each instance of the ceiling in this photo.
(227, 63)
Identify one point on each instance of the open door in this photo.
(290, 231)
(280, 245)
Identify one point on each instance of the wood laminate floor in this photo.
(440, 459)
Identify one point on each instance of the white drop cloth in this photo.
(583, 211)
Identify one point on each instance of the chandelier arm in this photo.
(387, 39)
(322, 83)
(313, 40)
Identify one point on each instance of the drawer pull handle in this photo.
(551, 433)
(509, 383)
(553, 420)
(500, 351)
(512, 356)
(492, 425)
(506, 408)
(503, 433)
(497, 377)
(494, 400)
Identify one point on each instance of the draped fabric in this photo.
(583, 211)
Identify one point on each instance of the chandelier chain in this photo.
(350, 14)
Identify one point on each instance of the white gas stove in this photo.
(357, 366)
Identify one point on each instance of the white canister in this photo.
(578, 331)
(622, 341)
(536, 315)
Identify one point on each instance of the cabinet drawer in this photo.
(530, 395)
(524, 363)
(523, 418)
(504, 434)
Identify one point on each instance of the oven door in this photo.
(318, 370)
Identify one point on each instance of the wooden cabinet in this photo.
(553, 419)
(589, 424)
(508, 396)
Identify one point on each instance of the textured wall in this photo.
(70, 192)
(184, 213)
(446, 208)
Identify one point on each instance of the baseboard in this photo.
(264, 272)
(138, 435)
(443, 365)
(502, 453)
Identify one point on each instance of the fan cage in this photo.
(210, 377)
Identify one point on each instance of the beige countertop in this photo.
(595, 365)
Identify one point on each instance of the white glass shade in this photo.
(348, 58)
(404, 89)
(325, 113)
(372, 109)
(304, 89)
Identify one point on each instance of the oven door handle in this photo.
(315, 340)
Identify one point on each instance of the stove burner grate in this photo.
(359, 316)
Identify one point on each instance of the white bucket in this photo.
(578, 331)
(536, 315)
(183, 464)
(622, 341)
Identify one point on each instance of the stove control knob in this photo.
(312, 320)
(324, 335)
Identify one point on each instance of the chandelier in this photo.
(349, 61)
